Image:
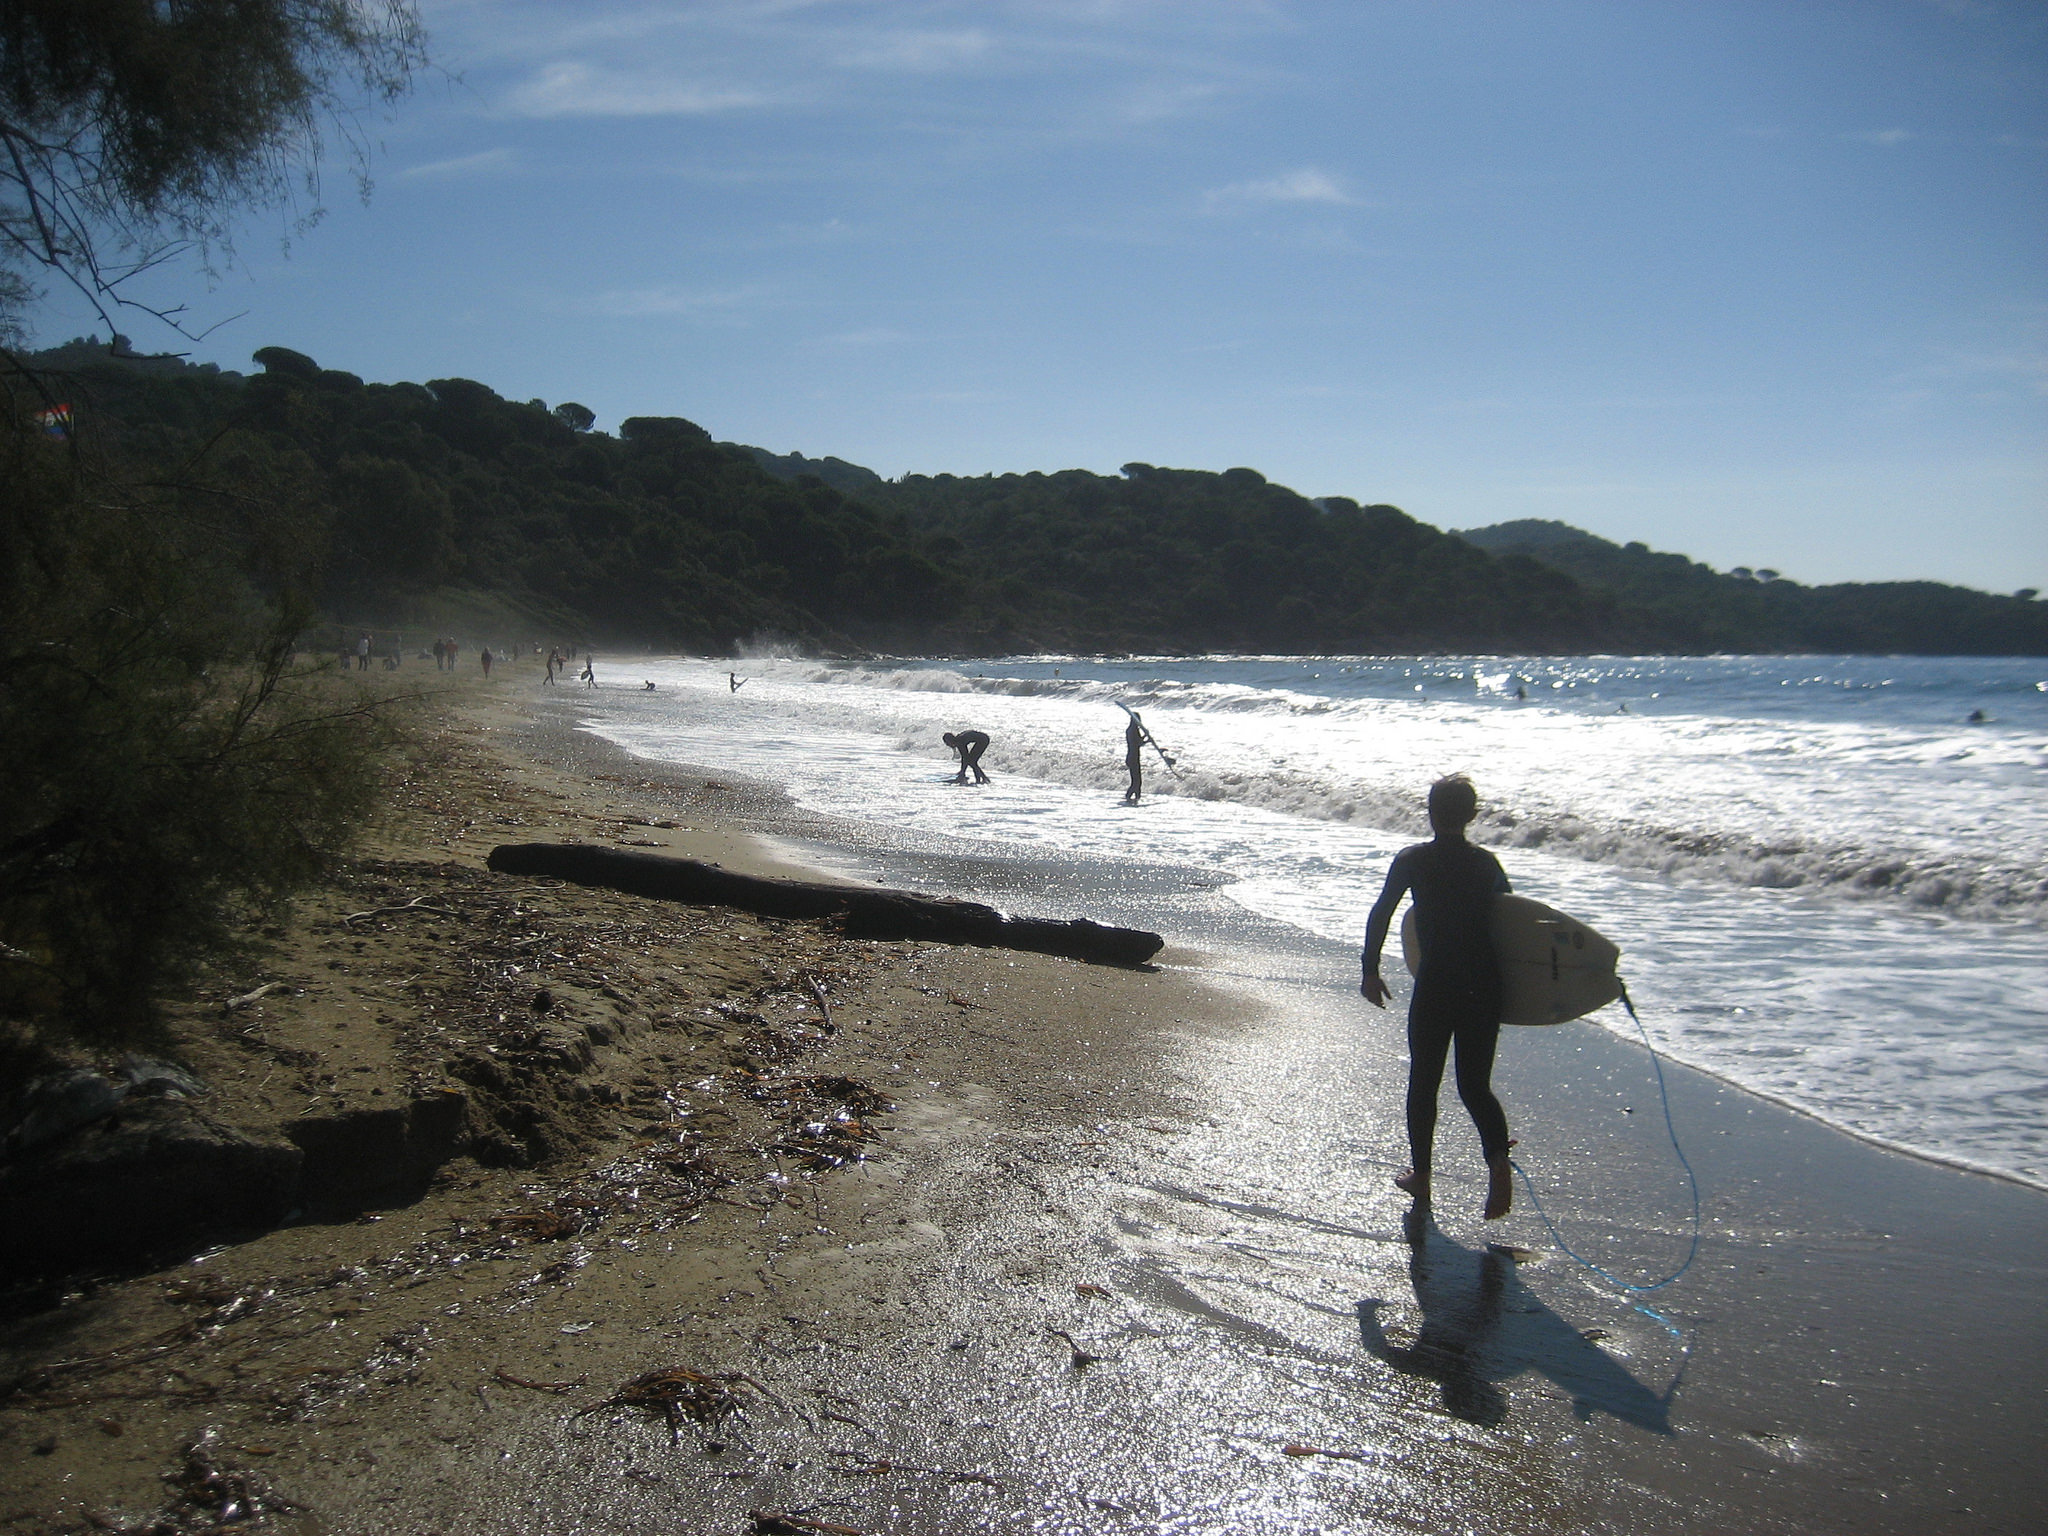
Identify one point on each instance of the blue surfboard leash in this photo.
(1692, 1182)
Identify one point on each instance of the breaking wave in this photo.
(1232, 698)
(1467, 713)
(1925, 879)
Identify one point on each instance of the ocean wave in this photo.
(1925, 880)
(1921, 879)
(1862, 856)
(1166, 693)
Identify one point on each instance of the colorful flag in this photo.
(56, 421)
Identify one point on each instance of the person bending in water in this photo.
(970, 745)
(1457, 997)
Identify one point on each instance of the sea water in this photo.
(1828, 876)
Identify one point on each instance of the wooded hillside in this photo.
(422, 496)
(1706, 610)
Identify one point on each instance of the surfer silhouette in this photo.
(1134, 758)
(970, 745)
(1457, 997)
(734, 682)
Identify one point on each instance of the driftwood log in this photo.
(861, 912)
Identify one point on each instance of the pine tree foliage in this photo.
(133, 129)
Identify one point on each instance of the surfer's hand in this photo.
(1374, 990)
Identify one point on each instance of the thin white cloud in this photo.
(922, 52)
(873, 336)
(1162, 101)
(1306, 185)
(673, 303)
(1119, 64)
(461, 165)
(570, 89)
(1885, 137)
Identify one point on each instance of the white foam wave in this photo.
(1164, 693)
(1252, 744)
(1924, 879)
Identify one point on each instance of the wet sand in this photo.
(1125, 1257)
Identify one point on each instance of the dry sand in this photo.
(1065, 1290)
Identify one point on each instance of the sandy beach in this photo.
(986, 1241)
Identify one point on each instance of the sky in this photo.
(1762, 281)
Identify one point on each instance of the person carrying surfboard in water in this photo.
(1136, 740)
(1457, 997)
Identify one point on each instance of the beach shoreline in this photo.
(1075, 1167)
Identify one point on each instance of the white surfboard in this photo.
(1552, 967)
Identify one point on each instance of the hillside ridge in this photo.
(444, 498)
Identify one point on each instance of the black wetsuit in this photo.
(1457, 995)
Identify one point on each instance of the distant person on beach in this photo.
(590, 670)
(1134, 758)
(363, 653)
(554, 660)
(486, 658)
(970, 745)
(734, 682)
(650, 687)
(1457, 997)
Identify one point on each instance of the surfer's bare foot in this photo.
(1500, 1187)
(1413, 1183)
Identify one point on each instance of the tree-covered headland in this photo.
(1700, 609)
(442, 498)
(430, 497)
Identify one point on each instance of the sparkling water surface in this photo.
(1828, 875)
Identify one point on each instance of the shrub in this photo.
(169, 768)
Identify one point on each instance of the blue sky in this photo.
(1763, 282)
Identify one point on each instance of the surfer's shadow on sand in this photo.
(1481, 1327)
